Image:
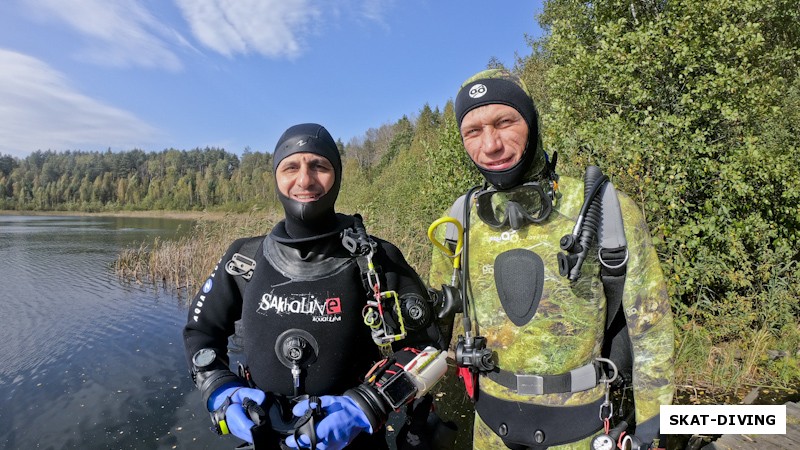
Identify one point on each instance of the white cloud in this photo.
(376, 10)
(40, 111)
(121, 34)
(127, 33)
(361, 12)
(273, 28)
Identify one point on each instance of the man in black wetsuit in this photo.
(299, 301)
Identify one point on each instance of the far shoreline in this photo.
(186, 215)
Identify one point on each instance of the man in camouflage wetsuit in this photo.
(544, 331)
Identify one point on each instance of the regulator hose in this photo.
(577, 244)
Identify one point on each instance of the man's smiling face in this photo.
(305, 177)
(494, 136)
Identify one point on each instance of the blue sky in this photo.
(154, 74)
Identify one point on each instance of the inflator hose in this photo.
(578, 243)
(591, 221)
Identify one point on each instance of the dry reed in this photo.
(183, 265)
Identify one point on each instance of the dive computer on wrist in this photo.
(204, 358)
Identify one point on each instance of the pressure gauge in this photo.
(603, 442)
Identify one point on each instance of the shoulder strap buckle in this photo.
(357, 241)
(241, 265)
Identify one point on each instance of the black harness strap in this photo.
(249, 249)
(613, 262)
(361, 246)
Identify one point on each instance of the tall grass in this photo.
(184, 264)
(762, 358)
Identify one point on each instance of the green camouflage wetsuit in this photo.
(566, 331)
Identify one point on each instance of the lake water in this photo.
(88, 362)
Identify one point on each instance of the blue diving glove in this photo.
(227, 412)
(342, 422)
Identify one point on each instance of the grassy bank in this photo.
(184, 264)
(186, 215)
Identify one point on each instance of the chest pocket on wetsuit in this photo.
(519, 280)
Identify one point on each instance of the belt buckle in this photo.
(530, 384)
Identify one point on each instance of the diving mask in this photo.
(516, 207)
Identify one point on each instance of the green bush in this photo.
(691, 107)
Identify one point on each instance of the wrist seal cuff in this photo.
(209, 381)
(368, 399)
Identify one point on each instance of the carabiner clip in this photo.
(607, 408)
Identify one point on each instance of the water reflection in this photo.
(88, 362)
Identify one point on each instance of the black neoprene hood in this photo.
(309, 138)
(487, 91)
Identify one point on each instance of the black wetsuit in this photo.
(315, 286)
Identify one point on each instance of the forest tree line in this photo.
(692, 108)
(182, 180)
(132, 180)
